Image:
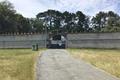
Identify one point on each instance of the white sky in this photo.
(30, 8)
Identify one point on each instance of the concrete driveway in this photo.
(57, 64)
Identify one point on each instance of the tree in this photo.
(22, 24)
(112, 23)
(106, 22)
(55, 21)
(82, 22)
(99, 21)
(37, 25)
(51, 19)
(67, 21)
(7, 17)
(10, 21)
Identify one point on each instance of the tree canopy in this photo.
(56, 21)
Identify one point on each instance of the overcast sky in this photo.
(30, 8)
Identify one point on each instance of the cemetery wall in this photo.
(22, 41)
(81, 40)
(93, 40)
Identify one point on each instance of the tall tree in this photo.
(67, 21)
(82, 22)
(7, 17)
(22, 24)
(99, 21)
(106, 22)
(37, 25)
(112, 23)
(10, 21)
(51, 19)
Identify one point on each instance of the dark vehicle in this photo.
(57, 41)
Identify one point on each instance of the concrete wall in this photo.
(93, 40)
(82, 40)
(22, 41)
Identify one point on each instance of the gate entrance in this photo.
(56, 41)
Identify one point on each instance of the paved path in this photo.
(59, 65)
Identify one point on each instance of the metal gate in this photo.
(56, 41)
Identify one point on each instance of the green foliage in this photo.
(10, 21)
(56, 21)
(65, 22)
(106, 22)
(6, 17)
(51, 19)
(37, 25)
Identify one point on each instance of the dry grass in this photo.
(108, 60)
(17, 64)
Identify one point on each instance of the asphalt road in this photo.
(59, 65)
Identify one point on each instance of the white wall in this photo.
(82, 40)
(93, 40)
(22, 41)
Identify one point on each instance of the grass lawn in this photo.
(108, 60)
(17, 64)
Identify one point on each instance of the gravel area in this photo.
(57, 64)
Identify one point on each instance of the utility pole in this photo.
(45, 35)
(45, 24)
